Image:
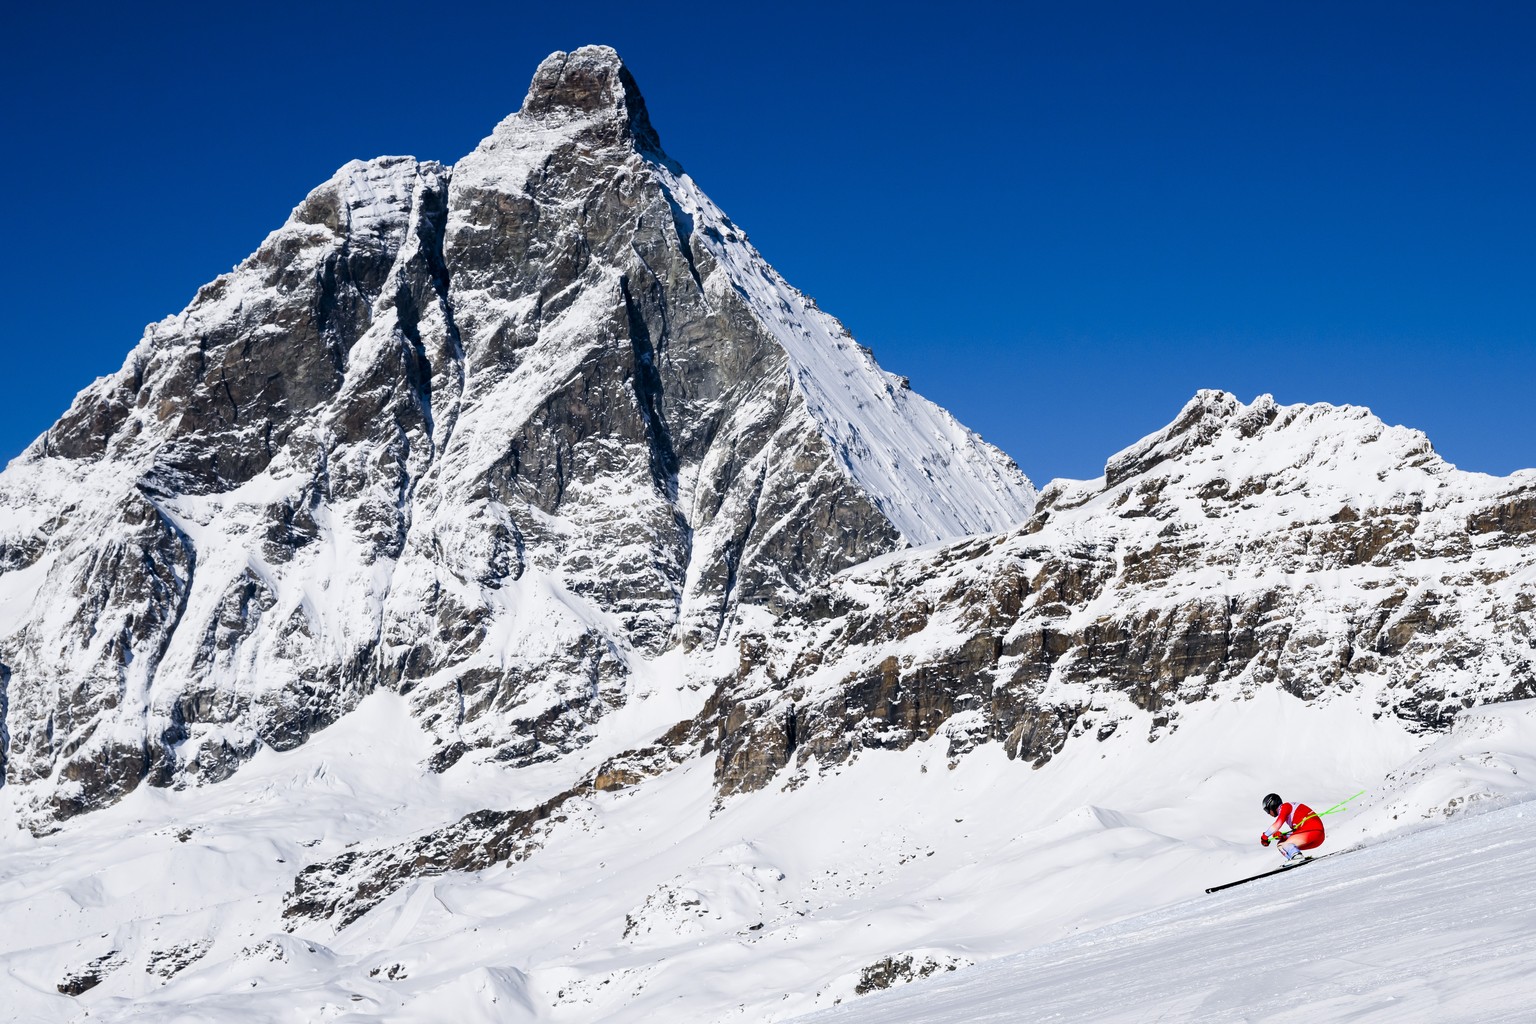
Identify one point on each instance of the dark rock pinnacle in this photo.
(591, 83)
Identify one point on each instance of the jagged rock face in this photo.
(1245, 546)
(286, 408)
(490, 434)
(1310, 547)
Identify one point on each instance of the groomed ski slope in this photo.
(653, 904)
(1432, 926)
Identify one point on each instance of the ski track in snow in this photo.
(647, 904)
(1434, 926)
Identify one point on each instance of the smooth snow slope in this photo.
(930, 475)
(653, 903)
(1438, 925)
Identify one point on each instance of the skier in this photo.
(1295, 828)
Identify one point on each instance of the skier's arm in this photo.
(1279, 830)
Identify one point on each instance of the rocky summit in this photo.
(490, 435)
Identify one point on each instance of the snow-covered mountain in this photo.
(647, 903)
(492, 435)
(1243, 550)
(526, 605)
(1311, 548)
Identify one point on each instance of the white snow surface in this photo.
(1434, 927)
(647, 905)
(933, 478)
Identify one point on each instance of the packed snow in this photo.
(1434, 926)
(652, 903)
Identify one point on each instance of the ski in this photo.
(1266, 874)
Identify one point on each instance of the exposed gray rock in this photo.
(87, 976)
(1311, 548)
(902, 968)
(167, 963)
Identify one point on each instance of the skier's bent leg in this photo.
(1308, 839)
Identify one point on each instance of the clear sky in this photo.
(1059, 219)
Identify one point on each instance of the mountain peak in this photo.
(591, 84)
(599, 408)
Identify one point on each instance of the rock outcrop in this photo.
(1309, 547)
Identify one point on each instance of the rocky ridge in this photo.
(1242, 549)
(1312, 548)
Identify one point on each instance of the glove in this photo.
(1264, 839)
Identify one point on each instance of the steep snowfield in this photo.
(1436, 926)
(649, 903)
(932, 477)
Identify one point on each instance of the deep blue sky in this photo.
(1059, 219)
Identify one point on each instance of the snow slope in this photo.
(655, 902)
(931, 476)
(1433, 926)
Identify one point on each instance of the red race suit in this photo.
(1306, 827)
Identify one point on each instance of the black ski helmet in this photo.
(1272, 804)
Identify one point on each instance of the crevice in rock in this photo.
(649, 395)
(682, 222)
(165, 755)
(5, 732)
(735, 550)
(229, 395)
